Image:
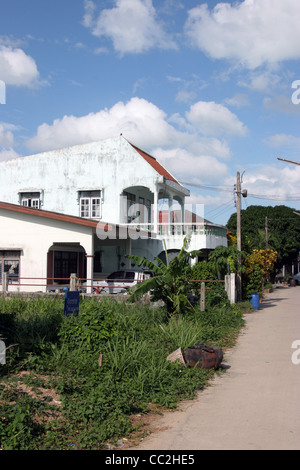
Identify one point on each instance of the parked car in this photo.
(120, 281)
(296, 277)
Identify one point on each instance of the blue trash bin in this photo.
(255, 301)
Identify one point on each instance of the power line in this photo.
(271, 197)
(210, 188)
(220, 210)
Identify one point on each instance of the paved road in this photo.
(255, 405)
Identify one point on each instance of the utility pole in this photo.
(239, 235)
(239, 193)
(267, 233)
(238, 210)
(288, 161)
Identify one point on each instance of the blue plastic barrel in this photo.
(255, 301)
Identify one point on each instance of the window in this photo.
(35, 203)
(90, 204)
(32, 199)
(10, 264)
(131, 199)
(65, 263)
(129, 276)
(84, 207)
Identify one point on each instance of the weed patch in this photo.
(56, 394)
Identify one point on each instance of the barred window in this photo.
(10, 264)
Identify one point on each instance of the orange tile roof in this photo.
(155, 164)
(54, 215)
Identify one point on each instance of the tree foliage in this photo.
(224, 259)
(283, 231)
(259, 265)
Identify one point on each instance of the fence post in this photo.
(202, 300)
(73, 282)
(232, 288)
(4, 283)
(227, 286)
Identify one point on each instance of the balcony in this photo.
(203, 235)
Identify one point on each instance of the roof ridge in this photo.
(155, 163)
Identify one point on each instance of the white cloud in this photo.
(132, 26)
(8, 154)
(284, 140)
(262, 81)
(192, 167)
(251, 32)
(279, 183)
(212, 118)
(17, 68)
(238, 100)
(6, 136)
(88, 17)
(138, 120)
(185, 153)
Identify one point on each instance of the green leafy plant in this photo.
(89, 330)
(169, 283)
(222, 259)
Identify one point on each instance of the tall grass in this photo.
(97, 401)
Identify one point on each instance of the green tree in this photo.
(170, 282)
(283, 231)
(224, 259)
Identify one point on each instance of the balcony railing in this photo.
(169, 229)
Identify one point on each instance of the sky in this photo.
(210, 89)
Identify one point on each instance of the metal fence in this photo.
(84, 285)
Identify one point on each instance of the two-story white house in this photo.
(82, 209)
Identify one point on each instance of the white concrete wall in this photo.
(111, 165)
(35, 235)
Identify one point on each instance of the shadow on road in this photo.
(267, 303)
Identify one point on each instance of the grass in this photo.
(54, 395)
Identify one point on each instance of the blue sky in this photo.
(209, 89)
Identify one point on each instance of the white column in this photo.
(169, 229)
(155, 211)
(90, 265)
(89, 272)
(182, 218)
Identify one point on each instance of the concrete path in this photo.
(255, 404)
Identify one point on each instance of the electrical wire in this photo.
(222, 188)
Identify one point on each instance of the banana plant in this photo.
(170, 281)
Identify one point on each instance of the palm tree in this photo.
(170, 281)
